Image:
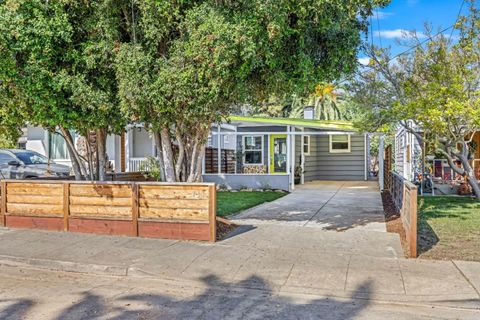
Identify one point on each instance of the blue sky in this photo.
(411, 15)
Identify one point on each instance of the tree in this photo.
(60, 58)
(183, 65)
(435, 87)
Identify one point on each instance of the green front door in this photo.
(278, 153)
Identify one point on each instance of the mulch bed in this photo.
(224, 227)
(393, 220)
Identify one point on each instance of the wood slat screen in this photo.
(180, 211)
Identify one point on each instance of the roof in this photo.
(316, 124)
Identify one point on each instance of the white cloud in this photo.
(397, 33)
(364, 61)
(382, 14)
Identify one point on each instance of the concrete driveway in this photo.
(329, 205)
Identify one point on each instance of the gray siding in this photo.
(323, 165)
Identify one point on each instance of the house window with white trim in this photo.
(252, 150)
(306, 145)
(340, 143)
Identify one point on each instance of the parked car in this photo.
(25, 164)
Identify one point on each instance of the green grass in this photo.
(233, 202)
(449, 228)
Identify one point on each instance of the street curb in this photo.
(66, 266)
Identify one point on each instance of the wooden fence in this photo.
(404, 195)
(408, 214)
(144, 209)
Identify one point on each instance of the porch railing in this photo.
(137, 164)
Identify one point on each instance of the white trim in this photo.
(308, 144)
(292, 172)
(366, 158)
(381, 155)
(302, 161)
(269, 169)
(297, 133)
(261, 149)
(349, 140)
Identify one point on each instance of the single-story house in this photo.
(245, 152)
(269, 151)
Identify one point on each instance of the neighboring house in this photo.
(254, 152)
(408, 158)
(408, 154)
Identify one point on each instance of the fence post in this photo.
(212, 212)
(413, 219)
(3, 206)
(66, 205)
(135, 208)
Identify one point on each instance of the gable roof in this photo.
(315, 124)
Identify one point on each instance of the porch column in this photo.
(302, 157)
(128, 142)
(292, 142)
(381, 172)
(289, 162)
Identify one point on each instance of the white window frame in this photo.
(349, 140)
(261, 150)
(307, 153)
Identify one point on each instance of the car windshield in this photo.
(31, 158)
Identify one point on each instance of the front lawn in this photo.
(449, 228)
(233, 202)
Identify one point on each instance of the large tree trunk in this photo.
(101, 154)
(181, 155)
(467, 169)
(158, 145)
(167, 155)
(79, 169)
(472, 180)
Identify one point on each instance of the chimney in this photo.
(309, 112)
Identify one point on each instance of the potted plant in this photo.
(298, 174)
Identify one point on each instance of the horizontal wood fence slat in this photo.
(149, 209)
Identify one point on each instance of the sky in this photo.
(388, 22)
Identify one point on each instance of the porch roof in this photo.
(315, 124)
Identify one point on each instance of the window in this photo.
(253, 149)
(30, 157)
(58, 147)
(6, 158)
(340, 143)
(306, 145)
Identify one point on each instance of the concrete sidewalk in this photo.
(276, 259)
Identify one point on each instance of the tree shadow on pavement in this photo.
(220, 300)
(16, 309)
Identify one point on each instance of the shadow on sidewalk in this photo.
(220, 300)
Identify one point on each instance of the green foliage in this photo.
(151, 169)
(60, 63)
